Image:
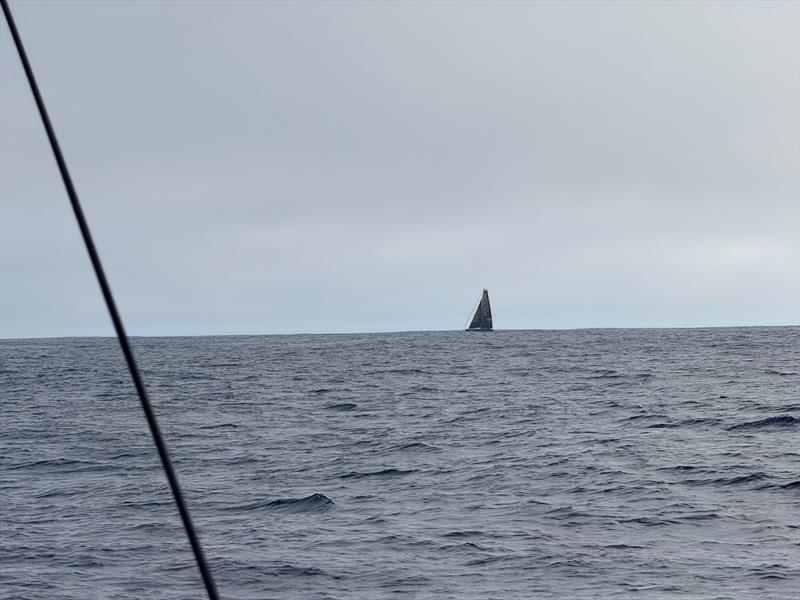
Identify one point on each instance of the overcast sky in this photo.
(265, 167)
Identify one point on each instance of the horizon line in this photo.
(298, 333)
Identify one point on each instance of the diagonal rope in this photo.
(112, 309)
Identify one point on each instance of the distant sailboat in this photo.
(482, 321)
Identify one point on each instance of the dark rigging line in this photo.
(112, 309)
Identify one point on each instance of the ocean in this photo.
(651, 463)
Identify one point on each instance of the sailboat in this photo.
(482, 320)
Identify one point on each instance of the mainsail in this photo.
(482, 320)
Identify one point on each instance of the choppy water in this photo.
(525, 464)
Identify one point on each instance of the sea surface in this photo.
(513, 464)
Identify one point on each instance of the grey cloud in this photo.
(278, 167)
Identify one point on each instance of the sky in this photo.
(268, 167)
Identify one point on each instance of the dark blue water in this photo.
(525, 464)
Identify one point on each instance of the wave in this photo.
(792, 485)
(739, 480)
(679, 468)
(743, 479)
(654, 416)
(463, 534)
(605, 374)
(684, 423)
(566, 512)
(382, 473)
(465, 546)
(490, 560)
(293, 571)
(312, 503)
(781, 373)
(782, 421)
(342, 406)
(701, 517)
(65, 465)
(419, 446)
(59, 493)
(649, 521)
